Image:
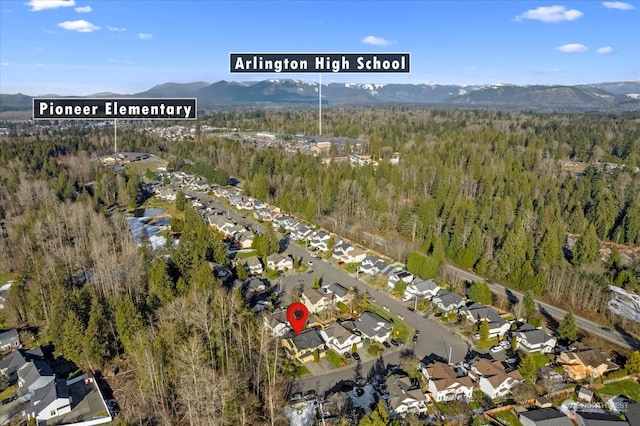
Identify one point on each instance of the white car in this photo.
(505, 344)
(496, 349)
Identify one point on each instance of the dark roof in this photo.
(8, 337)
(371, 324)
(602, 419)
(45, 395)
(337, 289)
(545, 414)
(633, 414)
(308, 339)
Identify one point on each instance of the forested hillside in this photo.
(487, 190)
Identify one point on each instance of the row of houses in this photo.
(319, 336)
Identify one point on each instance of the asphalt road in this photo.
(619, 337)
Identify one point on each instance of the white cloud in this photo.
(80, 26)
(145, 36)
(83, 9)
(38, 5)
(550, 14)
(605, 50)
(117, 29)
(376, 41)
(5, 64)
(572, 48)
(617, 5)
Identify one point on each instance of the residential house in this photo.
(51, 400)
(586, 364)
(302, 346)
(421, 289)
(340, 292)
(276, 323)
(372, 265)
(264, 214)
(9, 339)
(222, 224)
(373, 326)
(252, 265)
(597, 419)
(584, 394)
(320, 240)
(443, 384)
(301, 232)
(245, 239)
(10, 365)
(532, 339)
(340, 339)
(477, 312)
(492, 379)
(341, 251)
(544, 417)
(447, 301)
(278, 262)
(354, 256)
(316, 301)
(403, 398)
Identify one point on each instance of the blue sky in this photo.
(83, 47)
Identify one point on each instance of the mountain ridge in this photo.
(606, 96)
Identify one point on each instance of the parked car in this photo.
(296, 396)
(496, 349)
(356, 356)
(310, 394)
(394, 342)
(347, 355)
(417, 332)
(414, 338)
(386, 344)
(505, 344)
(410, 308)
(386, 308)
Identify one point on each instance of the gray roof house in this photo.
(9, 339)
(533, 339)
(447, 301)
(544, 417)
(477, 312)
(598, 419)
(421, 288)
(373, 326)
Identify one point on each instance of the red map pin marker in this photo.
(297, 315)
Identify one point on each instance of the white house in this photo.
(320, 240)
(531, 339)
(447, 301)
(252, 265)
(492, 378)
(445, 385)
(421, 289)
(477, 312)
(316, 301)
(340, 339)
(278, 262)
(373, 326)
(276, 323)
(403, 398)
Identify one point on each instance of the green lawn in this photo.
(245, 254)
(541, 359)
(8, 392)
(7, 277)
(485, 344)
(297, 370)
(507, 418)
(350, 267)
(166, 205)
(334, 359)
(630, 388)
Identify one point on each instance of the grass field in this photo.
(507, 418)
(630, 388)
(334, 359)
(162, 204)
